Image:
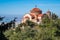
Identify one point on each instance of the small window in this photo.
(33, 17)
(37, 20)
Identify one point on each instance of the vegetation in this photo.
(48, 30)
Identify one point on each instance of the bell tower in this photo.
(49, 13)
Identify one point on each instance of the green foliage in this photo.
(45, 19)
(8, 33)
(30, 23)
(22, 24)
(54, 16)
(48, 30)
(21, 35)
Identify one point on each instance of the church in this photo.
(35, 15)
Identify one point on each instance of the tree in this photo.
(1, 18)
(54, 16)
(45, 19)
(48, 30)
(30, 23)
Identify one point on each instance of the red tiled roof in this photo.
(36, 10)
(26, 17)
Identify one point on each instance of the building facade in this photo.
(35, 15)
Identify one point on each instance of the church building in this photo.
(35, 15)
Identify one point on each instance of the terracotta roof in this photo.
(36, 10)
(26, 17)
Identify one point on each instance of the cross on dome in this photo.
(35, 6)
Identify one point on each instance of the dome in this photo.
(36, 10)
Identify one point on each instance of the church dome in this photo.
(36, 10)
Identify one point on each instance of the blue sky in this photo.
(21, 7)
